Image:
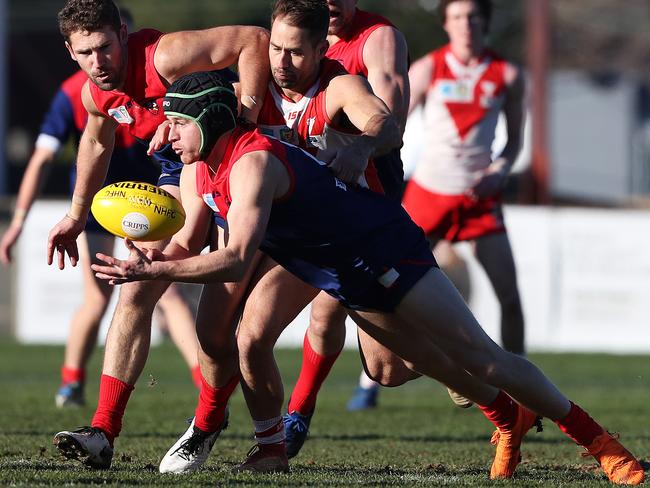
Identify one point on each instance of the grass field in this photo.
(416, 437)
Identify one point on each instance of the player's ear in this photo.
(70, 50)
(124, 34)
(323, 46)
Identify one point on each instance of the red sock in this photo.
(502, 412)
(315, 369)
(72, 375)
(113, 397)
(579, 426)
(196, 376)
(211, 409)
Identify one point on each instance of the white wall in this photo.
(46, 297)
(584, 277)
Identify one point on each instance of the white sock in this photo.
(269, 431)
(366, 383)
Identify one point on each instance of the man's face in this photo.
(185, 138)
(101, 55)
(295, 60)
(464, 24)
(341, 14)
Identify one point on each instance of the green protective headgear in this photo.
(206, 98)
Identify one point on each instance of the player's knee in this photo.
(138, 298)
(216, 346)
(318, 325)
(329, 333)
(253, 343)
(96, 301)
(389, 375)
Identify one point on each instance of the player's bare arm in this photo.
(497, 172)
(190, 240)
(93, 158)
(255, 181)
(247, 47)
(353, 96)
(419, 77)
(385, 55)
(35, 175)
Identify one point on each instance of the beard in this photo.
(284, 79)
(107, 83)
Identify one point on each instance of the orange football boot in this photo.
(620, 466)
(508, 444)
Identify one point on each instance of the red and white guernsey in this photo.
(138, 105)
(348, 50)
(461, 110)
(305, 123)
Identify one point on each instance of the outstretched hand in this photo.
(7, 243)
(140, 266)
(63, 240)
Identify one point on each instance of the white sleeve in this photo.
(46, 141)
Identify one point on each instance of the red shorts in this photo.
(453, 217)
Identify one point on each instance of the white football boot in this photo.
(191, 450)
(87, 444)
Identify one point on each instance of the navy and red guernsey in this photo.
(358, 246)
(67, 118)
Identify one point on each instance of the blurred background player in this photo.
(128, 77)
(455, 191)
(65, 117)
(369, 45)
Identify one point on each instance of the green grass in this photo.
(416, 437)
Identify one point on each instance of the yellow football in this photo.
(139, 211)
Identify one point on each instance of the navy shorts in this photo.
(385, 291)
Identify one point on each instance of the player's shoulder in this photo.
(497, 58)
(386, 37)
(345, 82)
(511, 72)
(248, 137)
